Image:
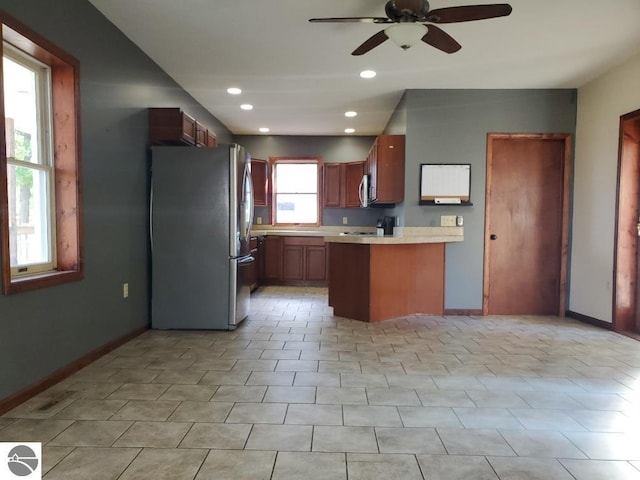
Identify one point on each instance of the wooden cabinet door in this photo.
(273, 259)
(260, 178)
(201, 135)
(253, 267)
(333, 185)
(171, 126)
(188, 129)
(212, 141)
(353, 176)
(372, 170)
(293, 264)
(390, 169)
(260, 260)
(315, 263)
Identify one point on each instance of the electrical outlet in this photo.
(125, 290)
(258, 220)
(447, 220)
(345, 220)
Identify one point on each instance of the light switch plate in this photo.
(447, 220)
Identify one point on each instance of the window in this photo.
(29, 162)
(39, 162)
(296, 187)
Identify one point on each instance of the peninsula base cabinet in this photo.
(378, 282)
(293, 260)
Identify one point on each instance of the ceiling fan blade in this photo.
(468, 13)
(438, 38)
(351, 20)
(371, 43)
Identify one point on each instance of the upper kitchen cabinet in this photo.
(333, 183)
(353, 175)
(260, 178)
(204, 136)
(171, 126)
(341, 183)
(385, 166)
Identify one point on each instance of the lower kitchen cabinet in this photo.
(295, 261)
(254, 277)
(272, 259)
(293, 265)
(315, 263)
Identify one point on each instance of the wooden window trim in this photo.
(272, 191)
(65, 79)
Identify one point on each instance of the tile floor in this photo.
(296, 393)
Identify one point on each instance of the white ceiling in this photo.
(301, 77)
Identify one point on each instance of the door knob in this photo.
(493, 237)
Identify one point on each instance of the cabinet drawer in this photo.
(316, 241)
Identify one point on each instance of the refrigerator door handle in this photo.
(246, 260)
(151, 216)
(247, 195)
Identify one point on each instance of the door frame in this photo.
(564, 247)
(625, 255)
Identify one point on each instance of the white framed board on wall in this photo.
(445, 184)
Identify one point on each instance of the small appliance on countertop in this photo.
(386, 224)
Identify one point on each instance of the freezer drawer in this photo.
(240, 300)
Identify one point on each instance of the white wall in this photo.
(600, 105)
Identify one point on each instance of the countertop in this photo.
(367, 236)
(406, 235)
(260, 230)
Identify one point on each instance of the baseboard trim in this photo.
(463, 312)
(12, 401)
(590, 320)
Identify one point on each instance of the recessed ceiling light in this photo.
(349, 130)
(246, 106)
(264, 129)
(234, 91)
(367, 74)
(350, 113)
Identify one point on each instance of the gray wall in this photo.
(44, 330)
(451, 126)
(332, 150)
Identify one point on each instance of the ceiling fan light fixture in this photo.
(405, 34)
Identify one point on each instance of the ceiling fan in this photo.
(408, 19)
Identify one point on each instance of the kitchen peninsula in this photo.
(374, 278)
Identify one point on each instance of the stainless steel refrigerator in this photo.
(201, 213)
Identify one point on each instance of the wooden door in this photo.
(526, 224)
(626, 271)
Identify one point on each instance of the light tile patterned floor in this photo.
(296, 393)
